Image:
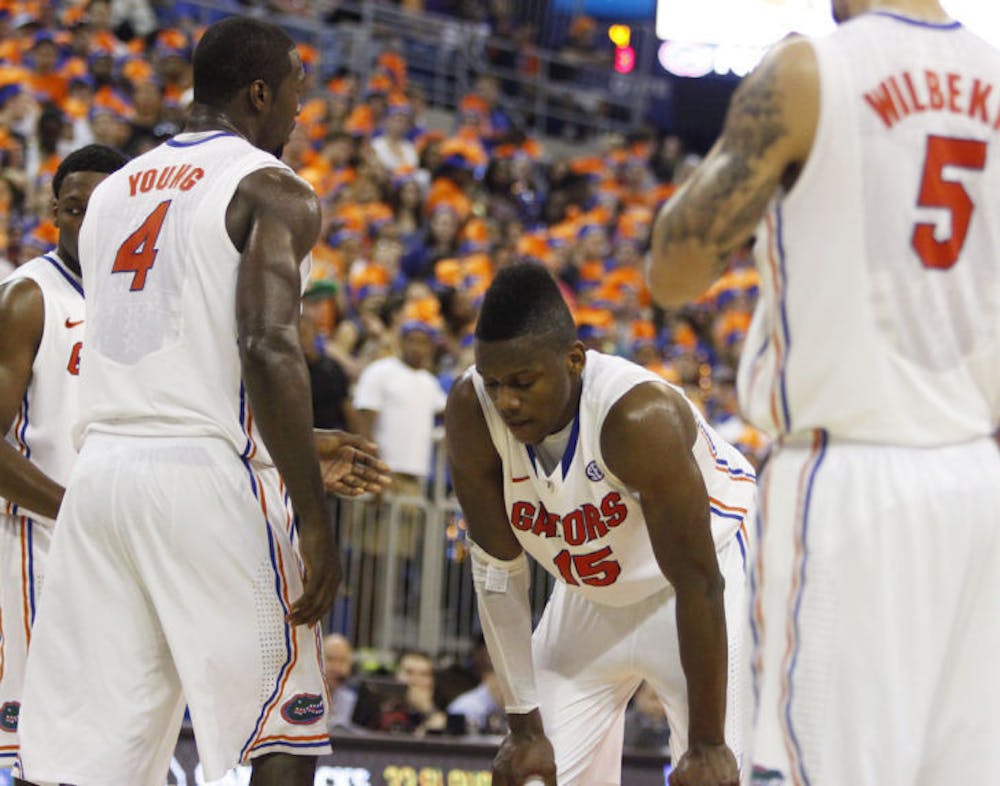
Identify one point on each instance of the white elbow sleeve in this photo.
(505, 614)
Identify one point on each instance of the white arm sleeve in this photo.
(505, 613)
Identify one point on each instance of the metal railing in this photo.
(407, 577)
(444, 55)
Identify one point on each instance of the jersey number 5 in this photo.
(137, 254)
(594, 568)
(937, 192)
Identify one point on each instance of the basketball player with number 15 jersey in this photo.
(871, 157)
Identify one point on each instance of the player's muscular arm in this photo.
(274, 220)
(766, 136)
(22, 317)
(654, 421)
(476, 473)
(478, 479)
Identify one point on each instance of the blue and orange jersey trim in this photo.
(64, 272)
(807, 478)
(780, 337)
(174, 142)
(722, 464)
(257, 739)
(20, 433)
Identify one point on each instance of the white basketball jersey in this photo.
(42, 429)
(161, 290)
(581, 522)
(879, 315)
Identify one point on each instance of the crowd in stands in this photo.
(416, 219)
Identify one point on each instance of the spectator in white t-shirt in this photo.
(397, 400)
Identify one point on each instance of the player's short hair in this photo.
(89, 158)
(525, 300)
(234, 53)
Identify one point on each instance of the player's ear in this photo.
(259, 92)
(55, 212)
(576, 358)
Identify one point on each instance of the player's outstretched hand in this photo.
(321, 561)
(524, 758)
(706, 765)
(350, 464)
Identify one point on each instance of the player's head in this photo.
(251, 70)
(415, 668)
(337, 660)
(527, 352)
(75, 180)
(846, 9)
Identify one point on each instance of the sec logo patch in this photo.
(303, 709)
(594, 472)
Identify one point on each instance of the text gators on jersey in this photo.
(583, 524)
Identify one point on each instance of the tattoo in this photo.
(753, 126)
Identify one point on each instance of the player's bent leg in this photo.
(283, 769)
(658, 655)
(253, 682)
(584, 679)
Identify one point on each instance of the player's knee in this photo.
(283, 769)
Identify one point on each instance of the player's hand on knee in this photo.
(524, 759)
(706, 765)
(321, 561)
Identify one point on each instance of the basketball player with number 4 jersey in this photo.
(41, 332)
(867, 163)
(612, 481)
(175, 576)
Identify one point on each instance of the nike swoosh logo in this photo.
(519, 480)
(71, 324)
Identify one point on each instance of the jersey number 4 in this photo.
(594, 568)
(951, 195)
(138, 253)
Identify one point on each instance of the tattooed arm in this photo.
(767, 135)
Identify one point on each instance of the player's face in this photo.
(336, 662)
(534, 388)
(287, 102)
(69, 209)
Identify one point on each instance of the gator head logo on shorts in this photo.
(594, 472)
(302, 709)
(8, 715)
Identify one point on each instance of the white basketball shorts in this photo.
(589, 660)
(24, 548)
(171, 571)
(877, 614)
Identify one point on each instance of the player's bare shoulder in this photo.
(651, 415)
(22, 310)
(279, 194)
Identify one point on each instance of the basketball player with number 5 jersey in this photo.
(871, 159)
(612, 481)
(178, 574)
